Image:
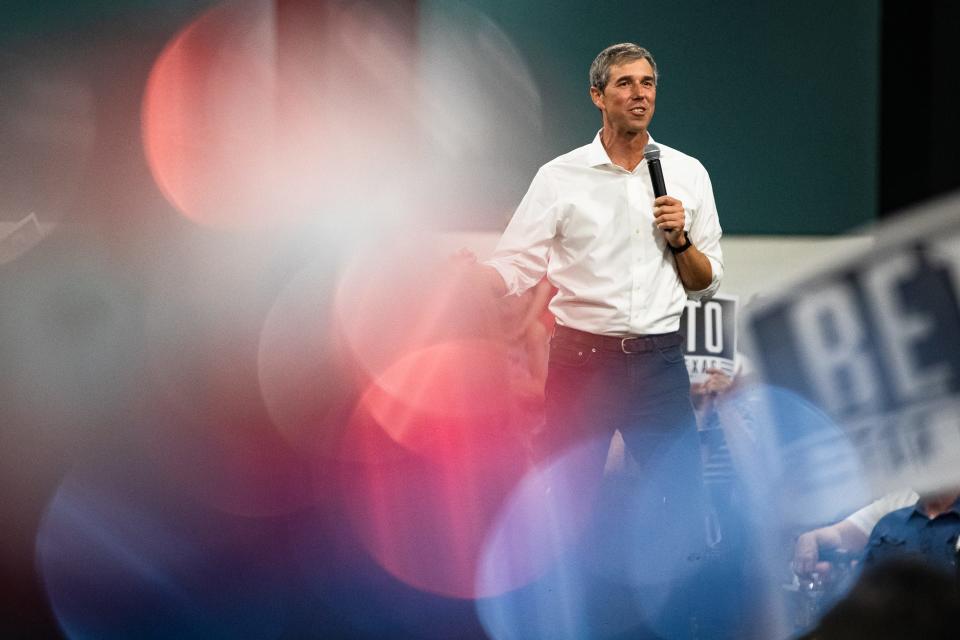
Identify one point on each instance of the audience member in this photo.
(894, 600)
(927, 531)
(849, 535)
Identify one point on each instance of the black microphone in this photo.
(652, 155)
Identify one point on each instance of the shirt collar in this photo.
(597, 156)
(918, 510)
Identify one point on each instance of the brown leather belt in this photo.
(620, 344)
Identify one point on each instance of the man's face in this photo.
(628, 100)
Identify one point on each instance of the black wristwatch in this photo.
(680, 250)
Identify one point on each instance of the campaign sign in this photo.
(710, 328)
(874, 343)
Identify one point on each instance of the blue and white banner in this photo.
(873, 341)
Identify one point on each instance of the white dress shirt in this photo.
(587, 224)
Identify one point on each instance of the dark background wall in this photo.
(919, 124)
(812, 118)
(779, 100)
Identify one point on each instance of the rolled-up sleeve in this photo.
(705, 234)
(524, 249)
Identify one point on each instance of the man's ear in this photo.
(597, 97)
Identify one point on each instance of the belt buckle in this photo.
(623, 345)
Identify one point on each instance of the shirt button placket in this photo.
(635, 197)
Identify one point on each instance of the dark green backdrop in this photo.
(779, 100)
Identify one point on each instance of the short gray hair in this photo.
(617, 54)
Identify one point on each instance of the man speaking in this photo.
(623, 259)
(624, 256)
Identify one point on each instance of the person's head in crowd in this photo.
(897, 599)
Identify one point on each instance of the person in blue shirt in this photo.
(926, 531)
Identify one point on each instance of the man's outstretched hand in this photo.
(479, 276)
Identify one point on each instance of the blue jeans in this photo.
(591, 392)
(648, 531)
